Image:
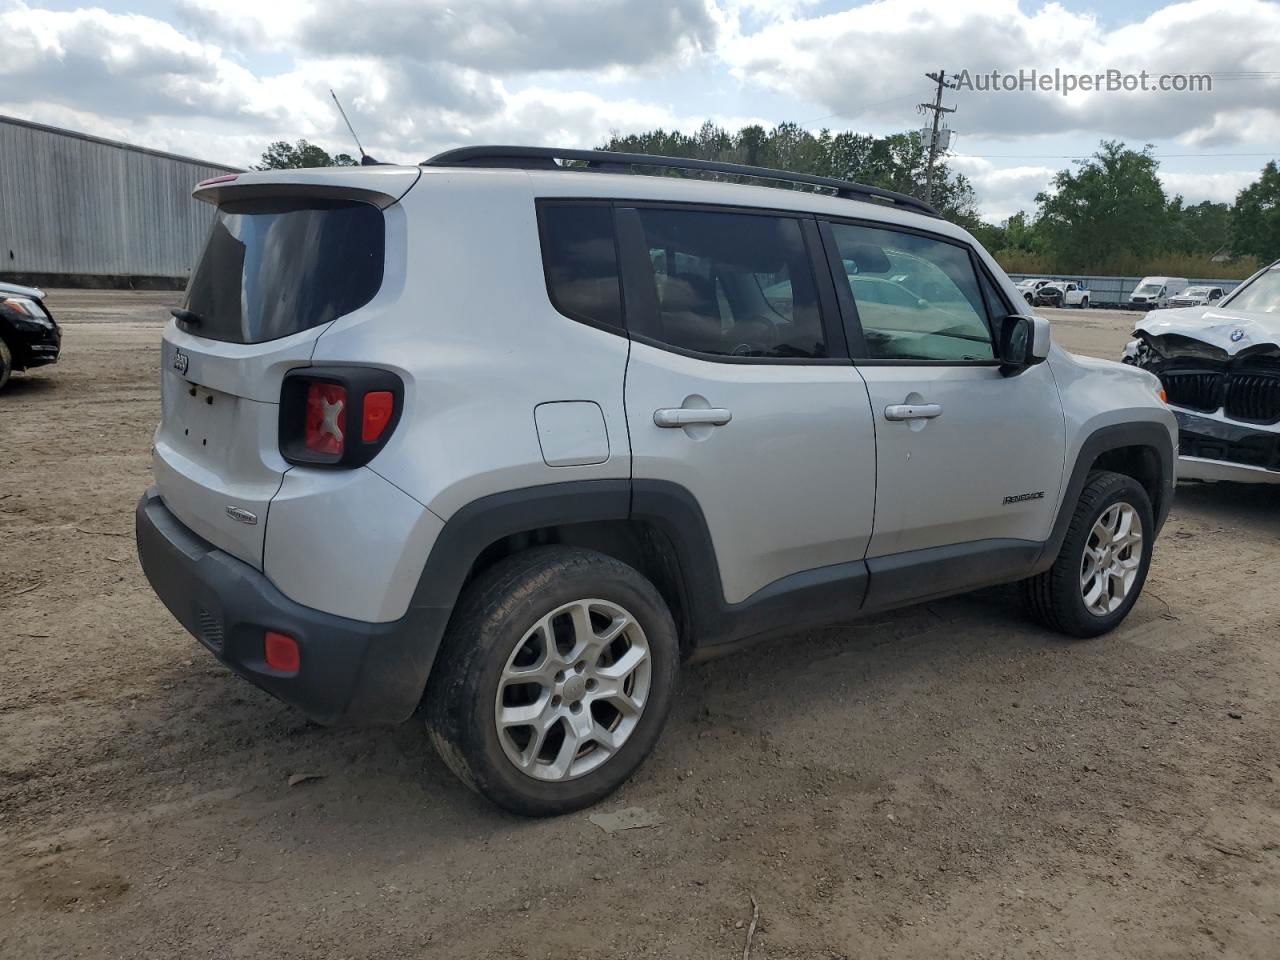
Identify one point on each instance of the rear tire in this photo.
(554, 680)
(6, 363)
(1084, 303)
(1102, 565)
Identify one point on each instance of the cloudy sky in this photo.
(218, 79)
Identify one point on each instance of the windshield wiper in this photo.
(183, 315)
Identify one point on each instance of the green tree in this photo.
(896, 162)
(1111, 206)
(1021, 233)
(1256, 217)
(1017, 234)
(282, 155)
(1204, 228)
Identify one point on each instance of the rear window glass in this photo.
(581, 263)
(274, 267)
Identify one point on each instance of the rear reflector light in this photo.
(281, 652)
(378, 408)
(325, 428)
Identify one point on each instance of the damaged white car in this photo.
(1220, 367)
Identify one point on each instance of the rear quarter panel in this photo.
(479, 346)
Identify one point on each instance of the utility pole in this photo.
(937, 109)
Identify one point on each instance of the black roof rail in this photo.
(608, 161)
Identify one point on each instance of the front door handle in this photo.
(912, 411)
(691, 416)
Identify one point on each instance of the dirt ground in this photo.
(947, 781)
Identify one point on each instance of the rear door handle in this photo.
(912, 411)
(691, 416)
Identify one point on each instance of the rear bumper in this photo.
(351, 671)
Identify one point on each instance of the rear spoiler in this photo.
(380, 185)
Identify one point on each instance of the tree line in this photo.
(1111, 215)
(1108, 215)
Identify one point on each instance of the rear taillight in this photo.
(324, 427)
(337, 416)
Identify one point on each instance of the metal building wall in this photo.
(75, 205)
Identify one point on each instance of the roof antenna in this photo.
(365, 159)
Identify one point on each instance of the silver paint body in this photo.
(794, 466)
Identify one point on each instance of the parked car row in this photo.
(1054, 293)
(1151, 293)
(29, 336)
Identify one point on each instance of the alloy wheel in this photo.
(573, 690)
(1112, 556)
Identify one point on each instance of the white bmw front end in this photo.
(1220, 368)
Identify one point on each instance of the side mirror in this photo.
(1024, 342)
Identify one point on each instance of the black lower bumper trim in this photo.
(1227, 442)
(351, 671)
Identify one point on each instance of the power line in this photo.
(1079, 156)
(1242, 74)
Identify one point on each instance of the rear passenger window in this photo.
(917, 298)
(732, 284)
(581, 263)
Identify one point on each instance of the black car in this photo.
(29, 336)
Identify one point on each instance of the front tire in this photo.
(554, 680)
(1103, 562)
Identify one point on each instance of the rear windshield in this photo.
(274, 267)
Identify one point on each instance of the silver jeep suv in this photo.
(510, 434)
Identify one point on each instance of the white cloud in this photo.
(140, 79)
(253, 24)
(221, 78)
(1002, 191)
(852, 60)
(501, 36)
(99, 61)
(1219, 187)
(1245, 124)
